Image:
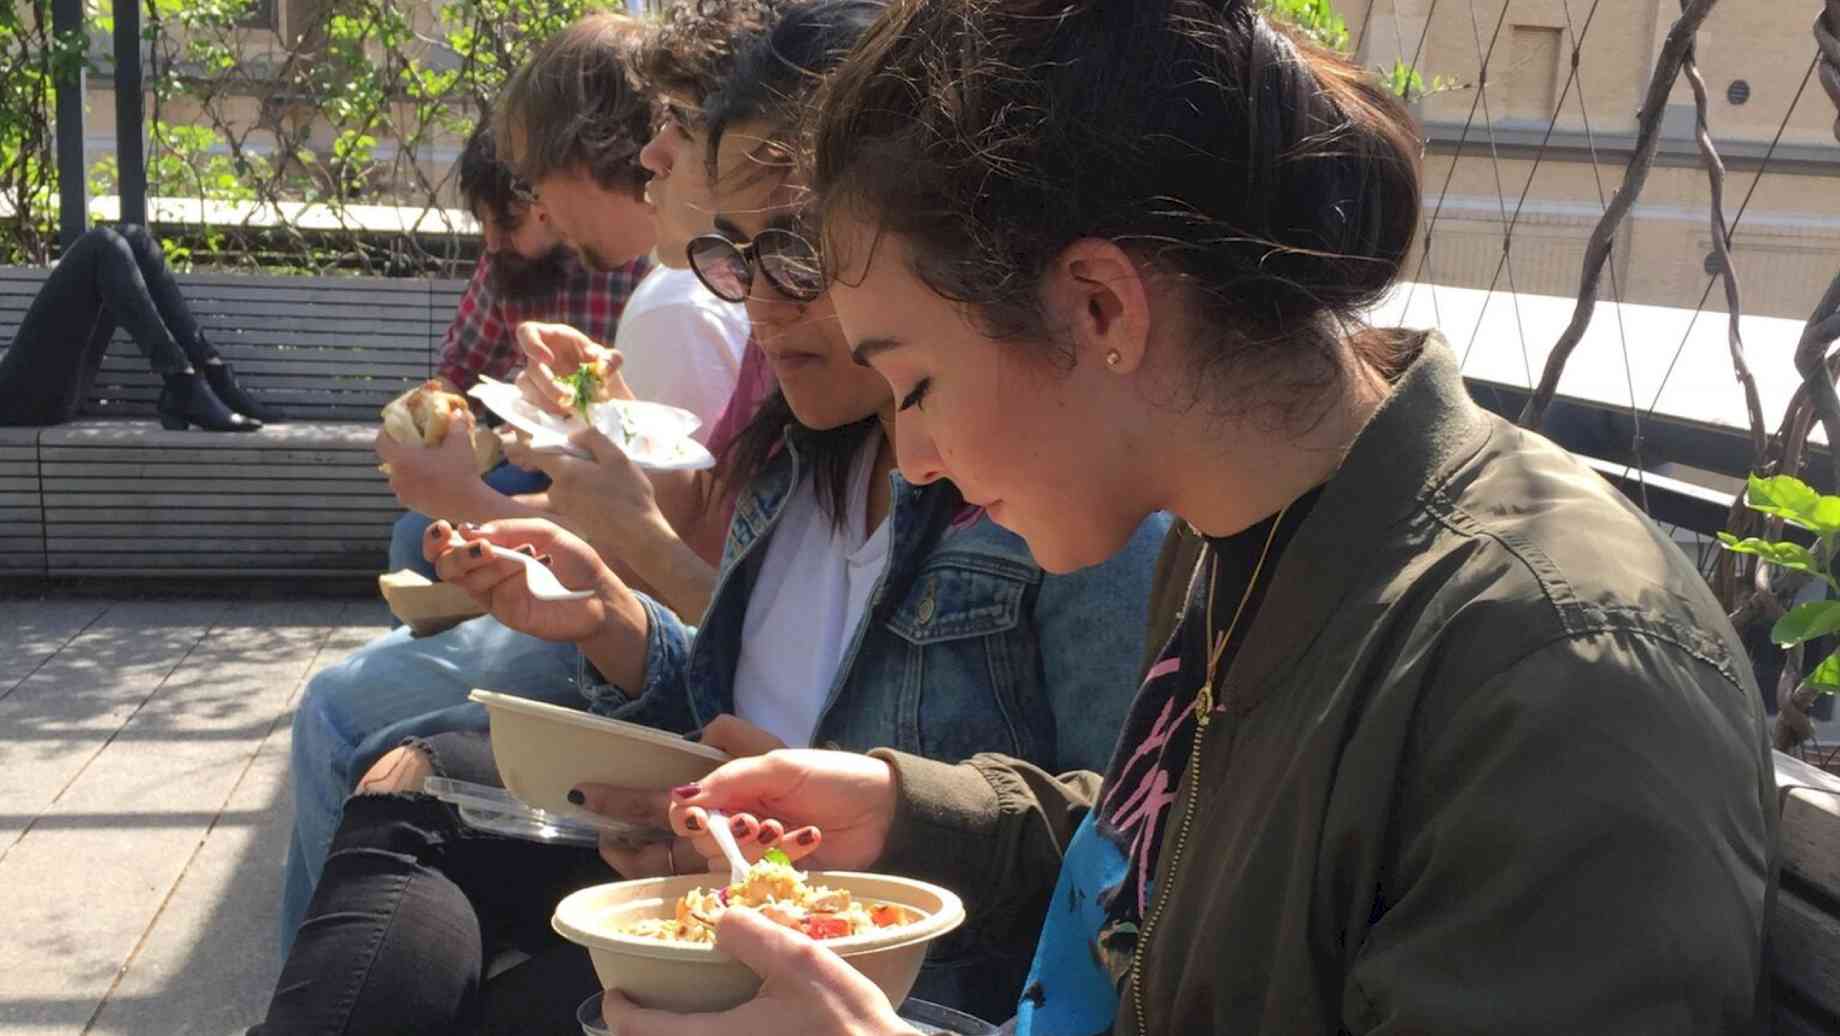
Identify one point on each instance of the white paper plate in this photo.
(655, 436)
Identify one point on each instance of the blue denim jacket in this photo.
(967, 647)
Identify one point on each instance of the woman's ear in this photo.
(1096, 291)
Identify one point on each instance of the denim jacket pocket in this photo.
(968, 661)
(962, 596)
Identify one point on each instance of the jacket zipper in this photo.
(1204, 707)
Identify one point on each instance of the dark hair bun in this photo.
(1281, 179)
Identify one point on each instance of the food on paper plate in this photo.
(781, 895)
(422, 416)
(588, 384)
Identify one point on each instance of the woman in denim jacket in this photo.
(961, 646)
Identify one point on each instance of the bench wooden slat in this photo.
(205, 531)
(182, 501)
(1805, 948)
(329, 475)
(340, 457)
(288, 516)
(293, 434)
(186, 546)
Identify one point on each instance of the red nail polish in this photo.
(687, 791)
(739, 827)
(807, 837)
(767, 835)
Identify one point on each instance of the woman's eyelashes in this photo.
(918, 395)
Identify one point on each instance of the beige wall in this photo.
(1788, 247)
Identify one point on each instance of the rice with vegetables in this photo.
(781, 895)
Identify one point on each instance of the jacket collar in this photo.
(1420, 435)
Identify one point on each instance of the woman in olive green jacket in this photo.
(1449, 738)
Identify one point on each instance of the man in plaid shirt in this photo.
(525, 272)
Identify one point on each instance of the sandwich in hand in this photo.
(423, 415)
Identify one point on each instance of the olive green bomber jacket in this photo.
(1490, 760)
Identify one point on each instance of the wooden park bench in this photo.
(114, 494)
(1804, 943)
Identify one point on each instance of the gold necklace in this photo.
(1204, 698)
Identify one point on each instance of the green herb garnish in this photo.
(584, 382)
(777, 856)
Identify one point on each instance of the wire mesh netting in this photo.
(1632, 207)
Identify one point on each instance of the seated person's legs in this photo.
(396, 934)
(392, 688)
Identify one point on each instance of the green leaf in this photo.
(1806, 622)
(1782, 554)
(1795, 502)
(779, 855)
(1826, 676)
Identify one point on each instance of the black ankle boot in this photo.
(223, 382)
(188, 400)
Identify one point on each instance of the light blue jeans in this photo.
(406, 535)
(392, 688)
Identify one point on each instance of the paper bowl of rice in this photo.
(653, 938)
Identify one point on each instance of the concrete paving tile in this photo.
(183, 752)
(35, 630)
(56, 720)
(209, 962)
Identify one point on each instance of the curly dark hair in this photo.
(573, 104)
(1278, 181)
(487, 185)
(691, 51)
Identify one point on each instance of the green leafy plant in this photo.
(1796, 503)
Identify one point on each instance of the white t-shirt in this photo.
(682, 345)
(811, 594)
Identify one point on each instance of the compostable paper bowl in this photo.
(543, 750)
(696, 978)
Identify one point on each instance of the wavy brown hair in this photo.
(1279, 182)
(573, 105)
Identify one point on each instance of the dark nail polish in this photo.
(807, 837)
(693, 823)
(527, 550)
(477, 550)
(767, 835)
(434, 531)
(576, 798)
(687, 791)
(739, 827)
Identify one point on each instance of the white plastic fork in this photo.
(737, 863)
(537, 576)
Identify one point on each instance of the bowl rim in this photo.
(949, 916)
(599, 724)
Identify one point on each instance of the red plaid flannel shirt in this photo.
(483, 337)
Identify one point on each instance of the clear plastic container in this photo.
(931, 1019)
(497, 811)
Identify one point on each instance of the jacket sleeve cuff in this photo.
(945, 821)
(667, 653)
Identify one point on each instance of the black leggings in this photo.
(410, 903)
(108, 278)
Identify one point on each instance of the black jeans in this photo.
(108, 278)
(410, 903)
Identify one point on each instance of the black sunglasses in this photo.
(789, 262)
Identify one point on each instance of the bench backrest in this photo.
(321, 348)
(1805, 931)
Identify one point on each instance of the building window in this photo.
(1738, 92)
(1533, 75)
(258, 14)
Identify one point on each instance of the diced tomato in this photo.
(887, 915)
(826, 926)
